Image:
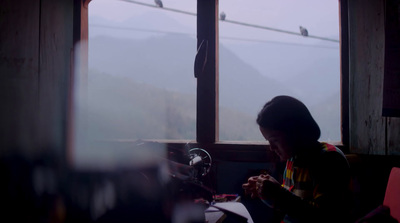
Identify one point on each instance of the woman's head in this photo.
(291, 120)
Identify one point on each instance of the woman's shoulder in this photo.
(331, 157)
(331, 150)
(327, 147)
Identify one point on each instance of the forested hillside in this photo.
(145, 88)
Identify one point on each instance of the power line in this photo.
(235, 22)
(279, 42)
(138, 29)
(165, 8)
(278, 30)
(221, 37)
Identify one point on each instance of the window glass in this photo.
(141, 83)
(262, 55)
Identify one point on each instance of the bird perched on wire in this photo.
(303, 31)
(158, 3)
(222, 16)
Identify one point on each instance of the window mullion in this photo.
(206, 71)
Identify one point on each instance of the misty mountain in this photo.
(120, 108)
(158, 61)
(147, 25)
(311, 72)
(164, 62)
(327, 115)
(167, 62)
(318, 81)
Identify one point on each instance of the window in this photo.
(140, 82)
(158, 47)
(263, 54)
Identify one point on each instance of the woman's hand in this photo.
(267, 187)
(263, 186)
(250, 188)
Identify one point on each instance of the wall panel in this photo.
(391, 93)
(19, 70)
(35, 70)
(393, 136)
(366, 46)
(56, 45)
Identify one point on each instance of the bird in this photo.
(303, 31)
(158, 3)
(222, 16)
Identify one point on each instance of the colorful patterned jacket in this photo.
(316, 187)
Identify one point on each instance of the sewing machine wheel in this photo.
(201, 159)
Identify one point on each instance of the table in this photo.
(215, 217)
(218, 216)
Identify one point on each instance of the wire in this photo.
(221, 37)
(278, 30)
(155, 6)
(138, 29)
(278, 42)
(235, 22)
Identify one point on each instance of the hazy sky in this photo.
(320, 17)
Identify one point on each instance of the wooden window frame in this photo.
(207, 89)
(206, 72)
(344, 73)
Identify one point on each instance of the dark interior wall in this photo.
(19, 56)
(374, 138)
(366, 31)
(391, 94)
(370, 174)
(370, 132)
(36, 51)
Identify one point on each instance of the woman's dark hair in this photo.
(290, 116)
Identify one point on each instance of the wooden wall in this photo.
(36, 51)
(370, 132)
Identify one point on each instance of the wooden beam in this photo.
(56, 44)
(366, 46)
(79, 77)
(19, 71)
(344, 69)
(206, 71)
(391, 87)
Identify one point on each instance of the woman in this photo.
(316, 178)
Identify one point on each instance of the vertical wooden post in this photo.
(207, 73)
(79, 77)
(56, 43)
(344, 70)
(391, 82)
(366, 63)
(19, 74)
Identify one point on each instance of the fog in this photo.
(141, 83)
